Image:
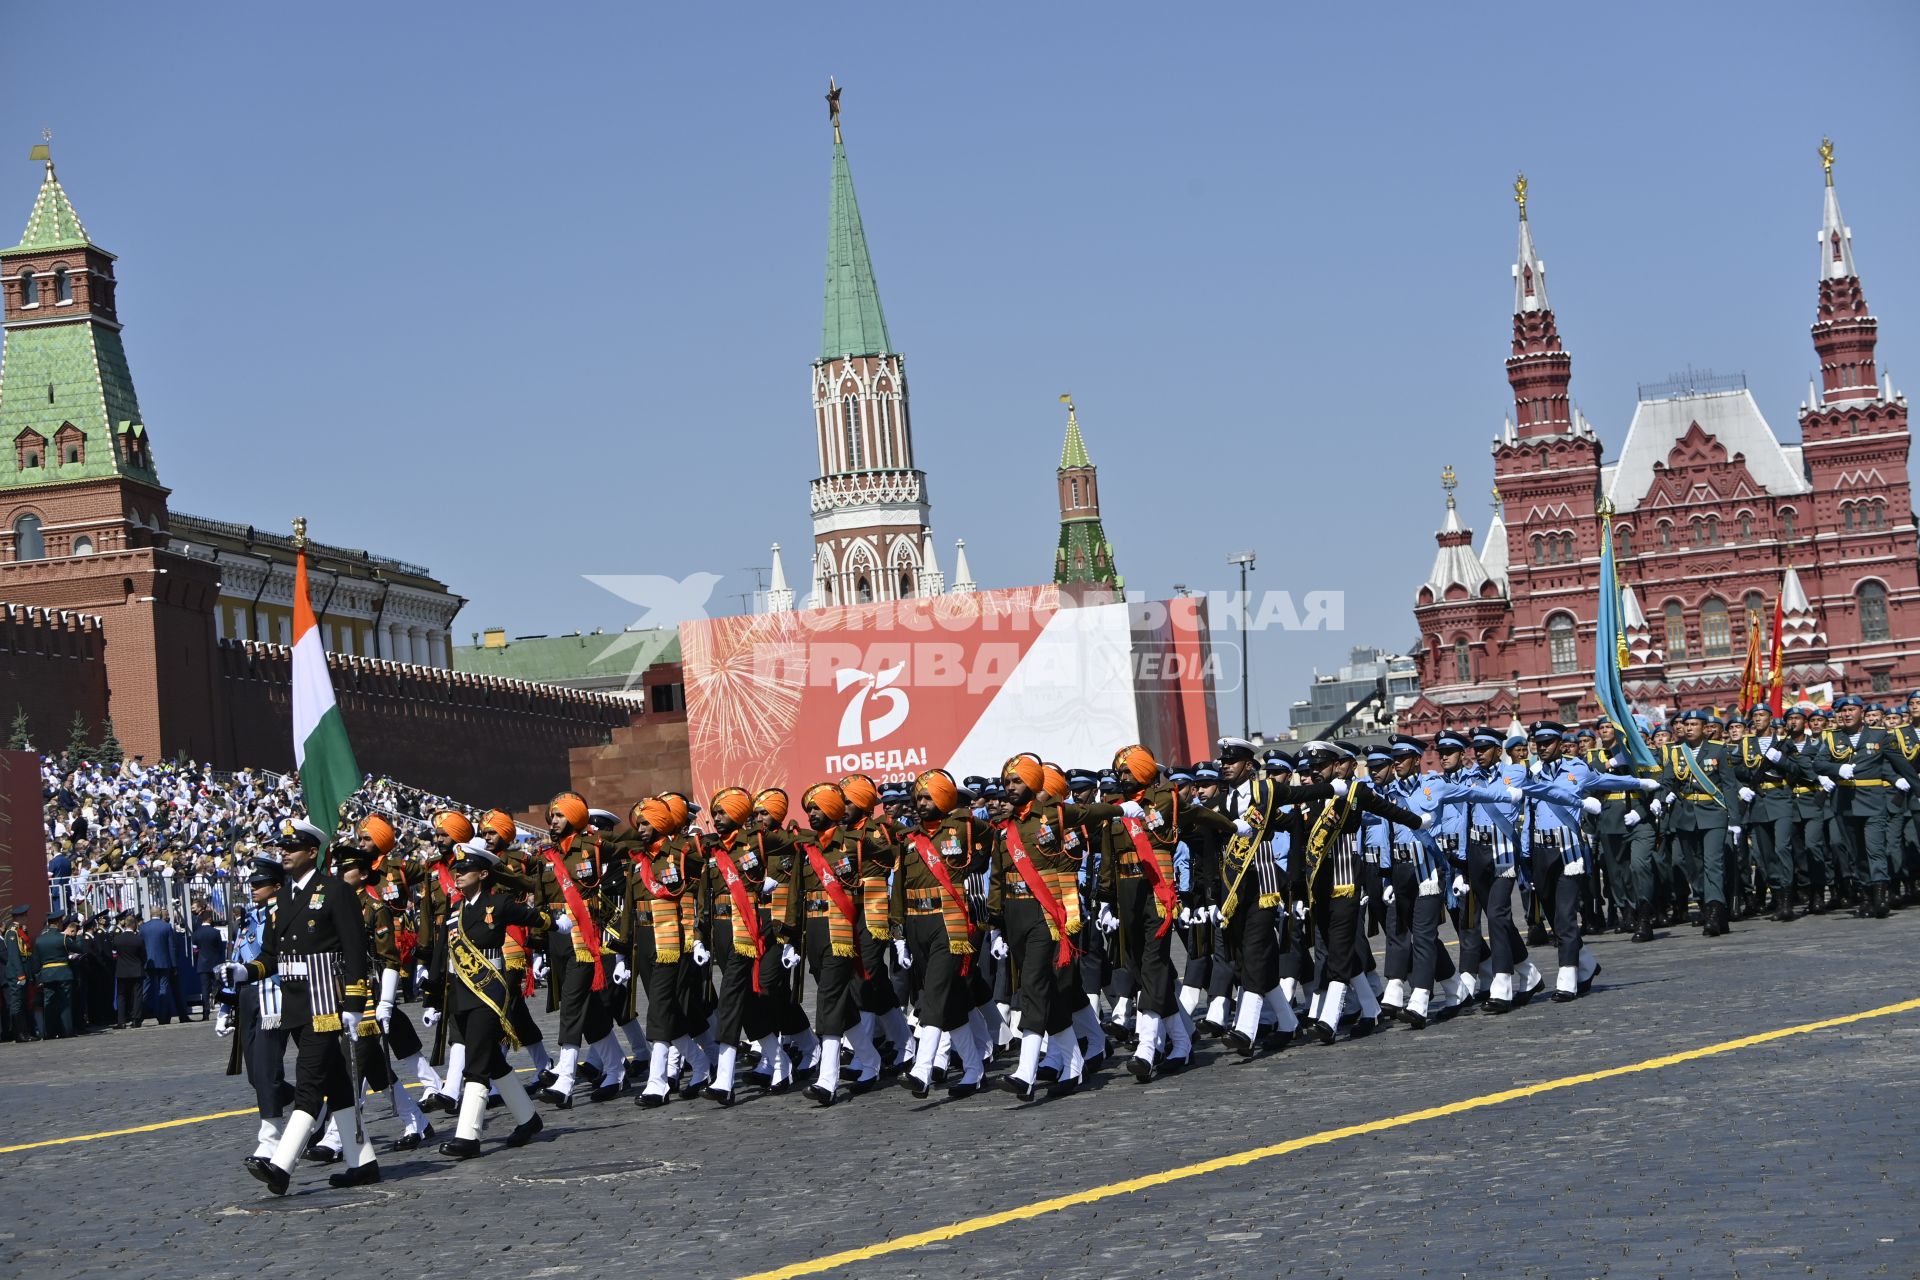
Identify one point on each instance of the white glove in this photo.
(621, 973)
(350, 1023)
(1339, 786)
(1826, 783)
(234, 975)
(1106, 921)
(429, 1017)
(1649, 784)
(1515, 795)
(1592, 804)
(563, 923)
(1386, 894)
(997, 946)
(1746, 795)
(1632, 819)
(1733, 833)
(1657, 808)
(1186, 915)
(901, 954)
(769, 885)
(1241, 827)
(539, 968)
(223, 1024)
(700, 953)
(1773, 754)
(1903, 784)
(1846, 771)
(383, 1014)
(1421, 821)
(421, 975)
(1132, 809)
(1578, 867)
(789, 958)
(1460, 886)
(1533, 766)
(1299, 908)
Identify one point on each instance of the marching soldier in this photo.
(823, 918)
(1869, 768)
(661, 913)
(732, 881)
(1767, 810)
(567, 871)
(1696, 770)
(52, 967)
(477, 999)
(778, 852)
(356, 868)
(877, 995)
(318, 948)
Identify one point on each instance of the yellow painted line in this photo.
(1092, 1195)
(169, 1124)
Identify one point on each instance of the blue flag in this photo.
(1610, 642)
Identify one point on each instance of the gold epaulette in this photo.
(356, 989)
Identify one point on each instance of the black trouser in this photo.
(740, 1011)
(777, 994)
(570, 988)
(56, 1009)
(836, 996)
(1034, 954)
(1151, 956)
(1096, 967)
(1494, 893)
(1398, 919)
(319, 1068)
(666, 983)
(478, 1029)
(263, 1051)
(1337, 922)
(945, 999)
(876, 991)
(132, 1007)
(1253, 944)
(1430, 961)
(1559, 896)
(207, 988)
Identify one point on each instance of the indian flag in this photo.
(328, 774)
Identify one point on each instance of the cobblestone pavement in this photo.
(1794, 1156)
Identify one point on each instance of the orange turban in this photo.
(656, 813)
(859, 790)
(775, 802)
(735, 803)
(454, 825)
(500, 824)
(1137, 761)
(1028, 769)
(827, 798)
(939, 787)
(678, 807)
(1056, 782)
(571, 807)
(380, 831)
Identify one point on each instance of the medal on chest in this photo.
(1155, 820)
(489, 916)
(1045, 836)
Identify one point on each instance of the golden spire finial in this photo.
(1066, 398)
(833, 106)
(1826, 158)
(1496, 499)
(300, 532)
(1520, 193)
(1449, 481)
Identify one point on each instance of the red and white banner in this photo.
(958, 682)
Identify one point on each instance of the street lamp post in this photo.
(1245, 560)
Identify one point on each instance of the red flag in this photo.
(1777, 656)
(1750, 676)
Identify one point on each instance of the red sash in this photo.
(744, 907)
(1037, 885)
(938, 866)
(838, 896)
(447, 884)
(577, 909)
(1156, 879)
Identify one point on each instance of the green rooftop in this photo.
(853, 323)
(582, 660)
(1074, 452)
(53, 224)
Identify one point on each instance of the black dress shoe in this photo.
(524, 1133)
(359, 1176)
(1046, 1075)
(541, 1083)
(647, 1099)
(430, 1102)
(321, 1155)
(411, 1141)
(939, 1075)
(916, 1086)
(554, 1098)
(588, 1071)
(1093, 1063)
(1064, 1088)
(821, 1096)
(1500, 1006)
(460, 1148)
(1564, 997)
(1019, 1088)
(276, 1178)
(1140, 1069)
(1240, 1043)
(722, 1096)
(957, 1091)
(607, 1092)
(1171, 1066)
(1585, 984)
(1208, 1027)
(785, 1086)
(858, 1087)
(258, 1166)
(1320, 1031)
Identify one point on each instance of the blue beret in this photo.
(1517, 740)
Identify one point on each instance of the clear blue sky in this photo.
(526, 294)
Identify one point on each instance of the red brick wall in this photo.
(50, 667)
(484, 741)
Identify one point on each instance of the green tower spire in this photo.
(67, 406)
(853, 323)
(1084, 554)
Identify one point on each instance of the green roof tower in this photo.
(1085, 556)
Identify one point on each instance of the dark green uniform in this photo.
(54, 972)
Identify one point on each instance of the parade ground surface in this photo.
(1736, 1107)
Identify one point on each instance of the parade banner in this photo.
(958, 682)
